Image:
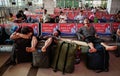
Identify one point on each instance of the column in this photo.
(113, 6)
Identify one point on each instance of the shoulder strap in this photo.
(66, 56)
(58, 57)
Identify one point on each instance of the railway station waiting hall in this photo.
(59, 37)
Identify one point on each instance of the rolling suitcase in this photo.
(98, 60)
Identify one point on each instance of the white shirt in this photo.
(27, 13)
(80, 18)
(62, 18)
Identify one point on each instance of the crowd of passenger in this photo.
(62, 16)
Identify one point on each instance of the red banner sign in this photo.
(115, 26)
(49, 27)
(102, 27)
(68, 28)
(79, 25)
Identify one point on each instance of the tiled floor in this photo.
(23, 69)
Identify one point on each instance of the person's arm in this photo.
(94, 30)
(118, 32)
(60, 19)
(16, 35)
(79, 35)
(25, 36)
(74, 41)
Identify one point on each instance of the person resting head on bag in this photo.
(25, 32)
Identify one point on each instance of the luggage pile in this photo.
(61, 57)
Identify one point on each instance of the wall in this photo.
(113, 6)
(49, 5)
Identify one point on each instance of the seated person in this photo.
(51, 40)
(62, 18)
(117, 52)
(91, 17)
(11, 18)
(88, 34)
(20, 17)
(19, 34)
(46, 17)
(26, 33)
(27, 12)
(118, 33)
(80, 17)
(117, 17)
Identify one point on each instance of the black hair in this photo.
(11, 15)
(59, 33)
(26, 30)
(26, 9)
(61, 12)
(20, 11)
(45, 10)
(18, 15)
(81, 11)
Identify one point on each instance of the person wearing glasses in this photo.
(89, 35)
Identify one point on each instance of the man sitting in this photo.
(24, 41)
(88, 34)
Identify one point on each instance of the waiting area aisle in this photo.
(25, 69)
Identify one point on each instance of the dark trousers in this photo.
(13, 54)
(93, 39)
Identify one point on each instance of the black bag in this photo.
(98, 60)
(20, 50)
(3, 35)
(41, 59)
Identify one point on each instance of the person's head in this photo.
(21, 12)
(57, 33)
(81, 12)
(118, 13)
(45, 11)
(61, 13)
(11, 15)
(86, 22)
(26, 9)
(19, 16)
(26, 30)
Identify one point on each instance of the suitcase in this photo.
(20, 50)
(41, 59)
(64, 57)
(98, 60)
(3, 35)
